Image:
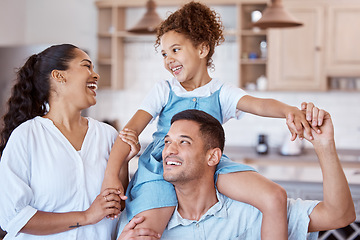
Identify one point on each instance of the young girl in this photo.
(187, 39)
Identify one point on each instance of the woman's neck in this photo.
(65, 116)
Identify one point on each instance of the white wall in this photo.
(12, 22)
(75, 21)
(27, 22)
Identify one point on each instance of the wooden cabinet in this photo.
(297, 54)
(253, 62)
(110, 61)
(343, 51)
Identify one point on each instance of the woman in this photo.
(52, 159)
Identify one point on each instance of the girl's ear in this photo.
(204, 50)
(214, 156)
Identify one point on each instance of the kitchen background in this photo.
(40, 23)
(44, 22)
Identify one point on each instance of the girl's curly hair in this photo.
(198, 23)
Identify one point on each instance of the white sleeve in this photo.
(16, 194)
(229, 97)
(298, 219)
(156, 99)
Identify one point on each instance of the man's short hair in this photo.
(210, 128)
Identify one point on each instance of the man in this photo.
(193, 148)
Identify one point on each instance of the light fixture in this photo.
(149, 22)
(276, 16)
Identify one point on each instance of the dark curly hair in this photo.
(30, 94)
(198, 23)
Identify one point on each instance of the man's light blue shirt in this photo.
(229, 219)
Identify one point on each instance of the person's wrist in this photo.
(289, 110)
(326, 144)
(111, 174)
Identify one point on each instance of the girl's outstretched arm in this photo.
(267, 107)
(120, 152)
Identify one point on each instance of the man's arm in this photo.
(337, 209)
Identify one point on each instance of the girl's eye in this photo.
(164, 55)
(176, 49)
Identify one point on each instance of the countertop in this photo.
(303, 168)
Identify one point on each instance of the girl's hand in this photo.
(130, 137)
(297, 123)
(105, 204)
(129, 231)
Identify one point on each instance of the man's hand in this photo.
(322, 119)
(130, 233)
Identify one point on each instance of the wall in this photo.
(13, 12)
(28, 22)
(75, 21)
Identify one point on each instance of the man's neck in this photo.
(195, 199)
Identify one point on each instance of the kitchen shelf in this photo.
(252, 64)
(253, 61)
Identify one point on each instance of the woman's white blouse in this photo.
(41, 170)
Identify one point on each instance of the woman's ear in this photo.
(214, 156)
(204, 50)
(58, 76)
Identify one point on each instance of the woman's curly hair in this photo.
(198, 23)
(30, 94)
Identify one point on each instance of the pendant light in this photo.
(149, 22)
(276, 16)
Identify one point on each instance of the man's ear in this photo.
(58, 76)
(214, 156)
(204, 50)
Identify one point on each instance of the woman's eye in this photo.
(88, 66)
(176, 49)
(164, 55)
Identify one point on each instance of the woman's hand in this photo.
(130, 233)
(130, 137)
(105, 204)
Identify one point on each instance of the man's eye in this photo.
(184, 142)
